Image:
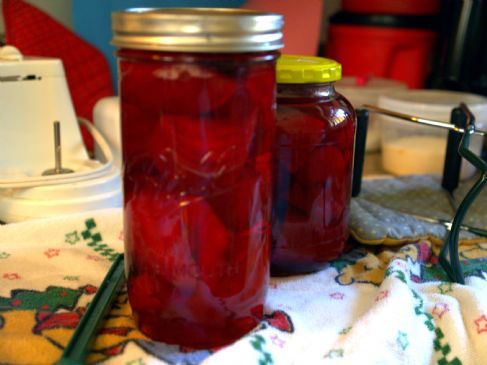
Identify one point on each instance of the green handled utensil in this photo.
(79, 345)
(449, 258)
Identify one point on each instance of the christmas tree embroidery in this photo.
(258, 342)
(95, 241)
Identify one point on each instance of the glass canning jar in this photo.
(197, 91)
(315, 136)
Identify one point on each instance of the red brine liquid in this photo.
(197, 134)
(313, 174)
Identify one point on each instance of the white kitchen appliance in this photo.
(106, 117)
(33, 95)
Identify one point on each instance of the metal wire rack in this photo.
(461, 129)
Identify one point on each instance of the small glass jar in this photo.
(197, 91)
(315, 136)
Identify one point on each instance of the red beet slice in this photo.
(257, 254)
(302, 196)
(213, 247)
(324, 163)
(296, 135)
(261, 87)
(149, 292)
(152, 176)
(209, 146)
(177, 88)
(155, 239)
(261, 84)
(138, 125)
(300, 127)
(243, 203)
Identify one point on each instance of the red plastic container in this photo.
(313, 166)
(396, 53)
(197, 131)
(402, 7)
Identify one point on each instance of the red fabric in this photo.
(35, 33)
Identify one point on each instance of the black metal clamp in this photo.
(461, 129)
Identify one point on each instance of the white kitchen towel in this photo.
(373, 305)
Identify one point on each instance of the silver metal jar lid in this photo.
(197, 30)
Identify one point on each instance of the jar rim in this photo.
(197, 29)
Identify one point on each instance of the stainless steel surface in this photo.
(58, 168)
(197, 30)
(420, 120)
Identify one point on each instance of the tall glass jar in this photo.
(197, 93)
(315, 136)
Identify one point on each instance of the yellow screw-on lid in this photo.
(292, 69)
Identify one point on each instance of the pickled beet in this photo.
(313, 166)
(178, 87)
(222, 146)
(197, 134)
(298, 131)
(242, 203)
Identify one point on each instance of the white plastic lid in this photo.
(435, 104)
(61, 199)
(360, 90)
